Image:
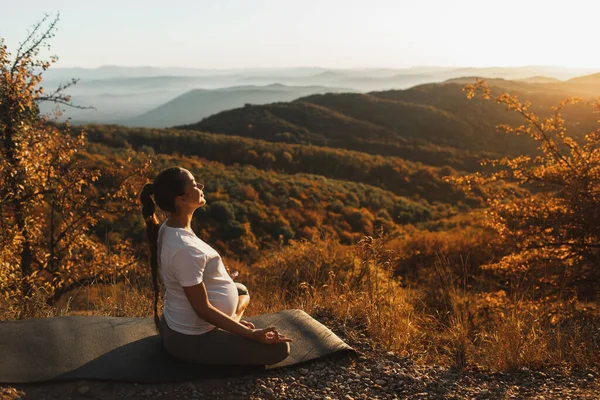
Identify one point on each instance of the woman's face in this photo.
(193, 196)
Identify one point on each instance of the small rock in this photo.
(83, 389)
(380, 382)
(269, 391)
(303, 371)
(403, 376)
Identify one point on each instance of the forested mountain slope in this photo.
(402, 177)
(249, 208)
(412, 123)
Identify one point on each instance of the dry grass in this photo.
(355, 286)
(131, 297)
(528, 334)
(437, 320)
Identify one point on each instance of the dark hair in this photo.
(167, 185)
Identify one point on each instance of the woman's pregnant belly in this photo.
(222, 294)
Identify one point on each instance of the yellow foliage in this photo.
(49, 198)
(554, 231)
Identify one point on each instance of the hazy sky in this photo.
(327, 33)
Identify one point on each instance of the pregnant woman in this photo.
(203, 307)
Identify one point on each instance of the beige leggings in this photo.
(220, 347)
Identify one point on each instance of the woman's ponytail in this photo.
(148, 211)
(167, 185)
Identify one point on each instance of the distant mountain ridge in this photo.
(200, 103)
(121, 93)
(442, 73)
(539, 79)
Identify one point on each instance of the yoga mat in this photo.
(130, 350)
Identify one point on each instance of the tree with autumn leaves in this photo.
(49, 200)
(554, 230)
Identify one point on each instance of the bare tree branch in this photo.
(59, 100)
(57, 96)
(29, 37)
(36, 43)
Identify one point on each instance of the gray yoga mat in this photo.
(129, 349)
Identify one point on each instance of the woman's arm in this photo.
(198, 298)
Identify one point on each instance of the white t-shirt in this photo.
(185, 260)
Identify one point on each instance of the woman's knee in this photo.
(243, 302)
(242, 289)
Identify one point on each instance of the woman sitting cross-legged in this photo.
(203, 307)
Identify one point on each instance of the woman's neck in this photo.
(179, 221)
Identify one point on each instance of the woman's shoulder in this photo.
(178, 237)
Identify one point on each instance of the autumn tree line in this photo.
(394, 174)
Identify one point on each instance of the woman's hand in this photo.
(247, 324)
(269, 336)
